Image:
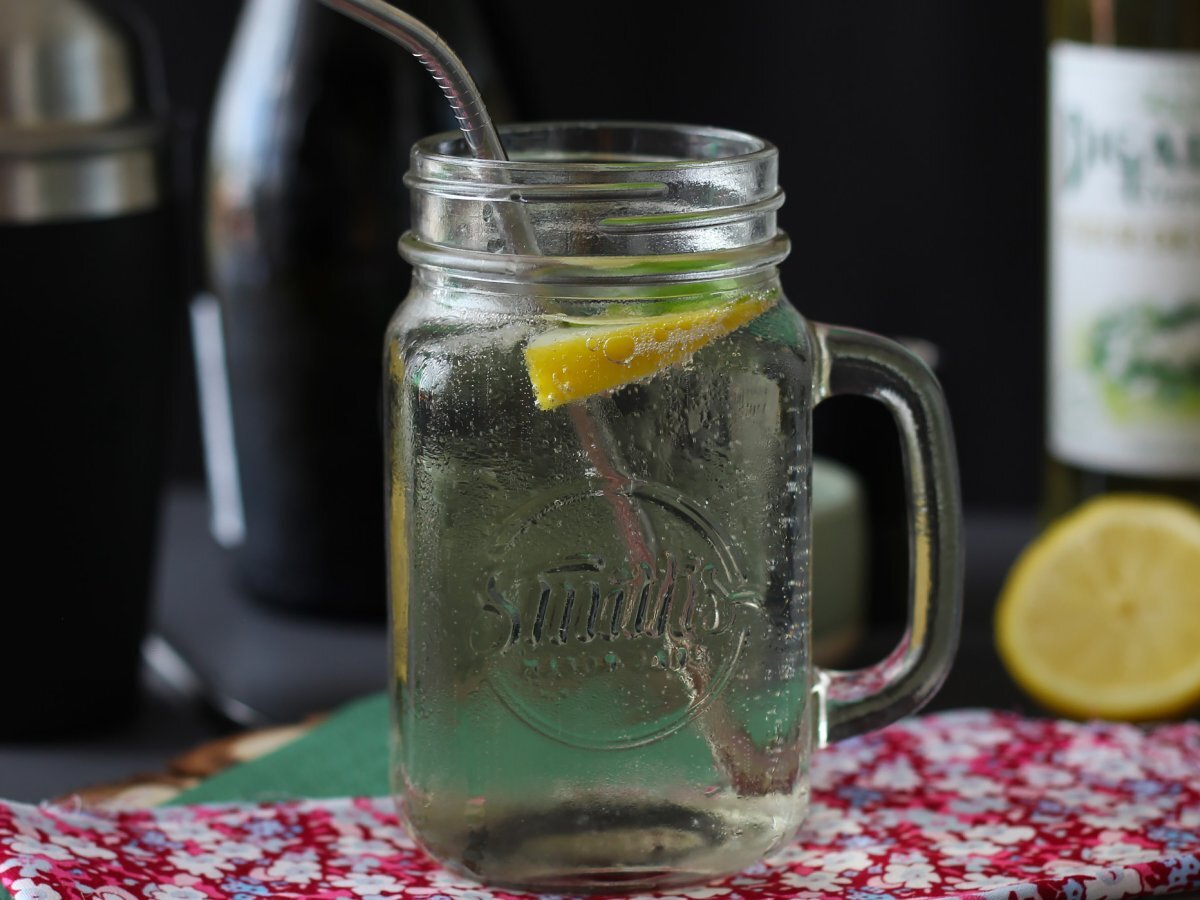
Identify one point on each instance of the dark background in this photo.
(910, 142)
(911, 139)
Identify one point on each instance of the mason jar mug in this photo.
(598, 407)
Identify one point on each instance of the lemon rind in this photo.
(1050, 686)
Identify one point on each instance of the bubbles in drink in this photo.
(609, 616)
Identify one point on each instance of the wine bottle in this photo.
(306, 202)
(1123, 261)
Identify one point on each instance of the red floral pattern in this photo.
(969, 804)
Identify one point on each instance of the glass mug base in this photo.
(616, 844)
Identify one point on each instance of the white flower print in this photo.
(931, 823)
(970, 726)
(80, 819)
(825, 824)
(957, 849)
(175, 892)
(1075, 796)
(32, 820)
(989, 737)
(274, 846)
(367, 885)
(791, 853)
(973, 863)
(458, 893)
(835, 761)
(969, 786)
(1067, 868)
(1124, 853)
(240, 851)
(889, 845)
(912, 875)
(294, 871)
(835, 861)
(696, 894)
(109, 892)
(1109, 764)
(86, 849)
(1001, 834)
(1116, 883)
(357, 846)
(945, 752)
(1173, 764)
(28, 846)
(814, 881)
(188, 830)
(894, 775)
(978, 881)
(28, 889)
(444, 878)
(205, 865)
(1013, 892)
(393, 835)
(976, 805)
(27, 866)
(1036, 775)
(368, 817)
(1126, 817)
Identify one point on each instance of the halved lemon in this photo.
(577, 361)
(1100, 616)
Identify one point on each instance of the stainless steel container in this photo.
(79, 134)
(88, 262)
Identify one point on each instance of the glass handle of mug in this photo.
(851, 702)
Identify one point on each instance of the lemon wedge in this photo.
(1100, 616)
(577, 361)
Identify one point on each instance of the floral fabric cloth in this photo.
(969, 804)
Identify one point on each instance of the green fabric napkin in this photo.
(344, 756)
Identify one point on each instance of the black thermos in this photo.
(87, 258)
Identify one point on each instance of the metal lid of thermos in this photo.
(79, 133)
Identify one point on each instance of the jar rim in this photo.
(598, 194)
(450, 147)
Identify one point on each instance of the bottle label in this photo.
(1124, 264)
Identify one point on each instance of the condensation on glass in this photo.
(599, 582)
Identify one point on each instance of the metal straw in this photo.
(453, 77)
(460, 89)
(732, 746)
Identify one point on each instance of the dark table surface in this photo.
(279, 668)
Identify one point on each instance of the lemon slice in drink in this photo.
(578, 361)
(1100, 616)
